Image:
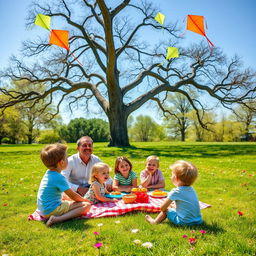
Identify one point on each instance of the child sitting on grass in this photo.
(187, 210)
(152, 177)
(125, 178)
(97, 190)
(52, 185)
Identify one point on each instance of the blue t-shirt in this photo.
(49, 193)
(187, 204)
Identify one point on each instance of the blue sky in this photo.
(231, 25)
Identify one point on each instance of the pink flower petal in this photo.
(184, 236)
(202, 231)
(192, 240)
(96, 233)
(98, 245)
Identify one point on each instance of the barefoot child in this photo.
(152, 177)
(187, 210)
(52, 185)
(125, 179)
(97, 190)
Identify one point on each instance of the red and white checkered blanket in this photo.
(114, 209)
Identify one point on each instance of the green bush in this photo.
(48, 136)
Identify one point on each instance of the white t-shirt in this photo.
(78, 173)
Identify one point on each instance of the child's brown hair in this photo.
(120, 159)
(185, 171)
(97, 168)
(52, 154)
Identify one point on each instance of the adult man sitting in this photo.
(79, 166)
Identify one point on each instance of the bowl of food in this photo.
(129, 199)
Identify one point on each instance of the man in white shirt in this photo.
(79, 166)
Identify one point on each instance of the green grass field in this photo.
(227, 181)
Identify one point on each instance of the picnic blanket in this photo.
(109, 209)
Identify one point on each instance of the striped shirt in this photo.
(123, 181)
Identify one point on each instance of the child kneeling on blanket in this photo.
(187, 210)
(52, 185)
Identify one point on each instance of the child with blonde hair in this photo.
(125, 178)
(52, 185)
(152, 177)
(187, 210)
(97, 190)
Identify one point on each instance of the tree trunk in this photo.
(183, 135)
(118, 128)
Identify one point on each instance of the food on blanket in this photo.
(144, 190)
(142, 197)
(159, 193)
(129, 199)
(116, 193)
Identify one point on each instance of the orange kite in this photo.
(60, 38)
(195, 23)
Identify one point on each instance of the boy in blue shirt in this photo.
(52, 185)
(187, 210)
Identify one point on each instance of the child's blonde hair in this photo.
(120, 159)
(185, 171)
(52, 154)
(155, 158)
(96, 169)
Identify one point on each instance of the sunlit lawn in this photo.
(226, 181)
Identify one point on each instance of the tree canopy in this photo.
(121, 70)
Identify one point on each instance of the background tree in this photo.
(146, 129)
(98, 129)
(120, 70)
(176, 110)
(197, 132)
(34, 115)
(247, 117)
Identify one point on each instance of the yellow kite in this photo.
(43, 21)
(160, 18)
(172, 52)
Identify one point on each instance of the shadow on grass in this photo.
(181, 151)
(212, 228)
(74, 225)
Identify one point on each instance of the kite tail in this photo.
(209, 42)
(76, 59)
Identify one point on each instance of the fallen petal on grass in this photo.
(147, 245)
(192, 240)
(137, 241)
(240, 213)
(98, 245)
(134, 230)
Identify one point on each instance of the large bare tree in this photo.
(121, 68)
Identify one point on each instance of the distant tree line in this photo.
(28, 124)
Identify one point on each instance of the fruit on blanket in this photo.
(135, 190)
(129, 199)
(116, 193)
